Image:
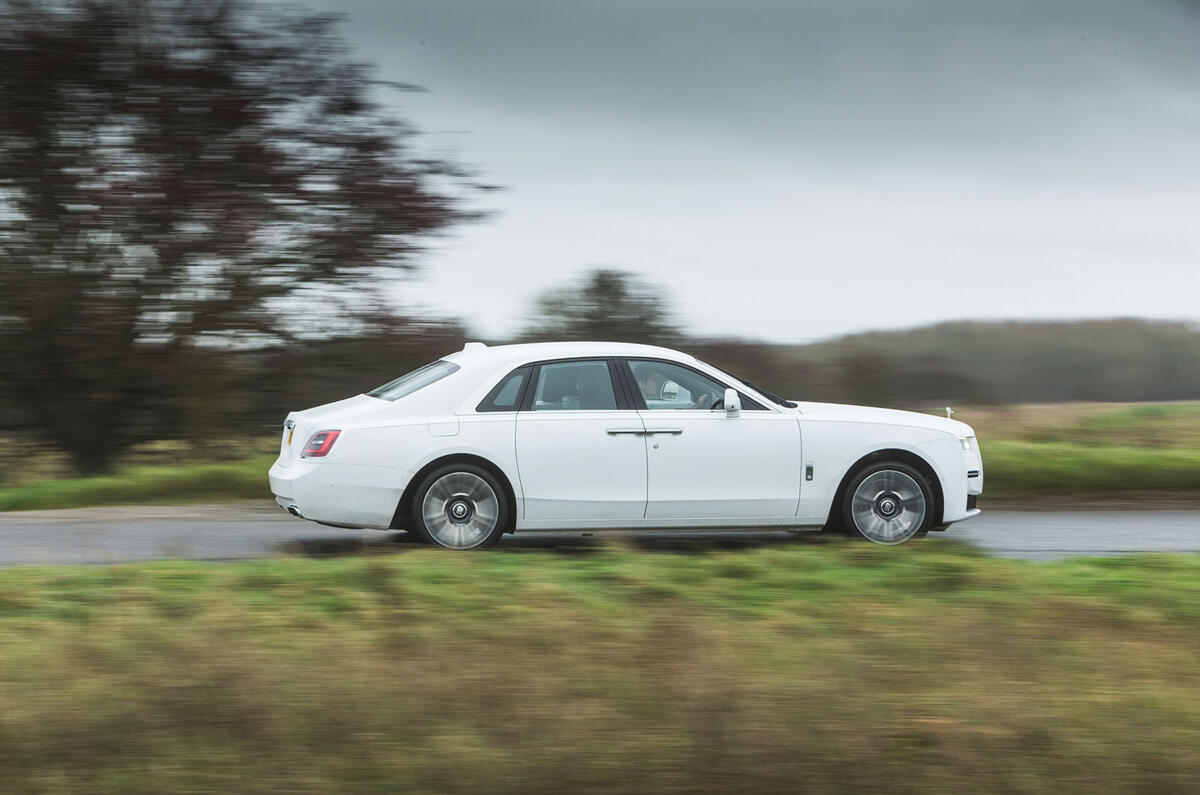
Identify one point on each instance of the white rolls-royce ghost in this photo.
(595, 436)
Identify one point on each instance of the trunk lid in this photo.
(300, 425)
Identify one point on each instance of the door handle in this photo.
(645, 431)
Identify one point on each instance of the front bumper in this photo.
(973, 462)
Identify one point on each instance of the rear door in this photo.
(581, 448)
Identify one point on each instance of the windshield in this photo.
(771, 396)
(417, 379)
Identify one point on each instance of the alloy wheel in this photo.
(888, 507)
(460, 510)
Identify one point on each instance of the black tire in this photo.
(460, 506)
(895, 505)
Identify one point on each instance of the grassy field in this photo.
(1016, 469)
(826, 666)
(164, 472)
(1089, 449)
(1153, 425)
(1114, 450)
(243, 479)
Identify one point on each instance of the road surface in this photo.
(219, 532)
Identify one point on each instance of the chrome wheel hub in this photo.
(460, 510)
(888, 507)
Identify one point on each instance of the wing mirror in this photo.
(733, 403)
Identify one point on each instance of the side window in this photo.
(672, 387)
(666, 387)
(507, 393)
(574, 386)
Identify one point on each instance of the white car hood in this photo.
(912, 419)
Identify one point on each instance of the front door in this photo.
(706, 465)
(581, 451)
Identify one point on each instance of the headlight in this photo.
(966, 444)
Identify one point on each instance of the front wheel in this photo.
(888, 503)
(460, 506)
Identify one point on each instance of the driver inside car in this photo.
(651, 380)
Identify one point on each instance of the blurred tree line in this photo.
(203, 204)
(181, 180)
(217, 392)
(1123, 359)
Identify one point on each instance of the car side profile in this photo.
(602, 436)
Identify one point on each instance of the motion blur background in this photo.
(216, 211)
(212, 213)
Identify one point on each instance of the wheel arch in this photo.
(404, 506)
(914, 460)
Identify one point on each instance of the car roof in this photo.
(475, 353)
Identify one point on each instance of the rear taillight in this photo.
(319, 444)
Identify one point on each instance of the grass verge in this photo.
(1025, 468)
(828, 666)
(146, 484)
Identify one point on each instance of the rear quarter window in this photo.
(507, 394)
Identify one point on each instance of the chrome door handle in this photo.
(635, 431)
(672, 431)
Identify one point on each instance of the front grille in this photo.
(971, 498)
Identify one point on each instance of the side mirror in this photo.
(669, 391)
(733, 403)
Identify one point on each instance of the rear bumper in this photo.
(339, 494)
(286, 504)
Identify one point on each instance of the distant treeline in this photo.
(950, 363)
(215, 393)
(977, 362)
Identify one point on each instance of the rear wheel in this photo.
(460, 506)
(888, 502)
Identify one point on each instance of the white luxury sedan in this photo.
(594, 436)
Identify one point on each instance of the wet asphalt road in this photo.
(114, 535)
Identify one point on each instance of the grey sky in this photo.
(794, 170)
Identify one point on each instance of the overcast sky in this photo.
(793, 170)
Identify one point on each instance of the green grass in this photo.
(824, 666)
(1089, 449)
(1023, 468)
(147, 484)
